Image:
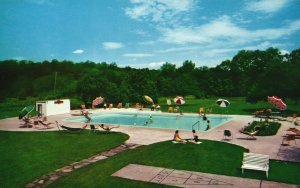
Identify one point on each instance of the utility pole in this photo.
(55, 82)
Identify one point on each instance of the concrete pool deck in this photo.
(269, 145)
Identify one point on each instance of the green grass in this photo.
(209, 157)
(238, 105)
(265, 129)
(26, 156)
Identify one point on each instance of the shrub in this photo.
(265, 128)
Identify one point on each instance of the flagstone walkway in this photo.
(53, 176)
(189, 179)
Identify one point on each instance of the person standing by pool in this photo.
(208, 125)
(195, 136)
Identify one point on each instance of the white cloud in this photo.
(112, 45)
(137, 55)
(266, 6)
(79, 51)
(223, 30)
(283, 52)
(158, 10)
(156, 64)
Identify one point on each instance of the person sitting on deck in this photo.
(177, 138)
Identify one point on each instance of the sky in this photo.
(145, 33)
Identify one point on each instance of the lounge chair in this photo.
(249, 134)
(73, 129)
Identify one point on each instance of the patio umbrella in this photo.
(277, 102)
(98, 100)
(223, 103)
(179, 100)
(26, 111)
(148, 99)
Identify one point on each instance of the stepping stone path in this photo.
(53, 176)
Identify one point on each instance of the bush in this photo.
(265, 128)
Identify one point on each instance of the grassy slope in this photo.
(27, 156)
(210, 156)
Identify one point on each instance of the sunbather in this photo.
(177, 138)
(250, 134)
(46, 125)
(108, 128)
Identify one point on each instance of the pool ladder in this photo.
(198, 122)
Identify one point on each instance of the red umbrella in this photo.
(277, 102)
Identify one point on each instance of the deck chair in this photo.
(249, 134)
(72, 129)
(227, 134)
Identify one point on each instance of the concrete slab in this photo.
(189, 179)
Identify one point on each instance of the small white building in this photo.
(53, 107)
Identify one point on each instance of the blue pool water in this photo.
(164, 121)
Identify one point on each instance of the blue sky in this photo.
(145, 33)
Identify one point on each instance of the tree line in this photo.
(254, 74)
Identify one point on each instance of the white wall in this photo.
(53, 107)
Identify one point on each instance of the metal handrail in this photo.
(195, 124)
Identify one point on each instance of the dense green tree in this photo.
(252, 73)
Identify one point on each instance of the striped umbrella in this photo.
(277, 102)
(179, 100)
(223, 103)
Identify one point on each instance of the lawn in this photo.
(210, 157)
(26, 156)
(238, 105)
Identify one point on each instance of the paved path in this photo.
(189, 179)
(53, 176)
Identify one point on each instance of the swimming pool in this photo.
(164, 121)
